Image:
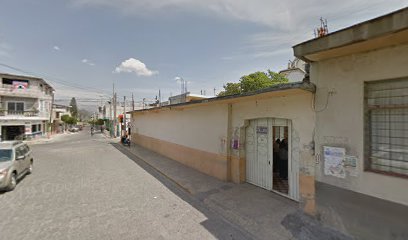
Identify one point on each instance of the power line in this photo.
(56, 80)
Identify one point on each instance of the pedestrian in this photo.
(283, 159)
(276, 155)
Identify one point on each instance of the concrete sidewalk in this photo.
(48, 139)
(259, 212)
(256, 210)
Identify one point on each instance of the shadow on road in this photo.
(216, 224)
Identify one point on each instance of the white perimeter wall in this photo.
(199, 127)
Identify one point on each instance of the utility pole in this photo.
(124, 114)
(110, 116)
(159, 98)
(93, 120)
(133, 103)
(114, 111)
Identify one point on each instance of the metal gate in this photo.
(259, 155)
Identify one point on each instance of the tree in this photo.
(252, 82)
(277, 78)
(65, 118)
(69, 120)
(231, 89)
(74, 108)
(100, 122)
(255, 81)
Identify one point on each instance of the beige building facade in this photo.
(361, 100)
(214, 135)
(344, 130)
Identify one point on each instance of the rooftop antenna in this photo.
(323, 30)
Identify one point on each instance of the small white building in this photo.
(58, 111)
(296, 70)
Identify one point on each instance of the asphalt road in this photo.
(83, 187)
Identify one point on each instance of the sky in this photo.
(83, 47)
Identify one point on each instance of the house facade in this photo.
(235, 138)
(296, 70)
(361, 136)
(58, 110)
(336, 142)
(25, 106)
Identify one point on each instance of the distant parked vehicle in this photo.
(73, 129)
(16, 161)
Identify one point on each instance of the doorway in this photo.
(269, 162)
(280, 159)
(12, 132)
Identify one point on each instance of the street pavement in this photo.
(85, 188)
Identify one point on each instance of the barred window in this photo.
(386, 129)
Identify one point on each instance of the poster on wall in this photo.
(334, 161)
(350, 165)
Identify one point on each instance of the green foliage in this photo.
(277, 78)
(69, 120)
(255, 81)
(231, 89)
(100, 122)
(252, 82)
(74, 108)
(65, 118)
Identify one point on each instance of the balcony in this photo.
(9, 114)
(8, 90)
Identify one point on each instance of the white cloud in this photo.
(135, 66)
(86, 61)
(56, 48)
(285, 15)
(285, 22)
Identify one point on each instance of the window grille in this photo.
(387, 126)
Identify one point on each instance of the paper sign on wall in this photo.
(350, 165)
(262, 130)
(334, 161)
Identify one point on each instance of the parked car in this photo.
(73, 129)
(16, 161)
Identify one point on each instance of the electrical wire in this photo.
(326, 104)
(56, 80)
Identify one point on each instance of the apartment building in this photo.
(25, 106)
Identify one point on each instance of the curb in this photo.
(237, 227)
(158, 170)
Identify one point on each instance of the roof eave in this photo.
(306, 86)
(378, 27)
